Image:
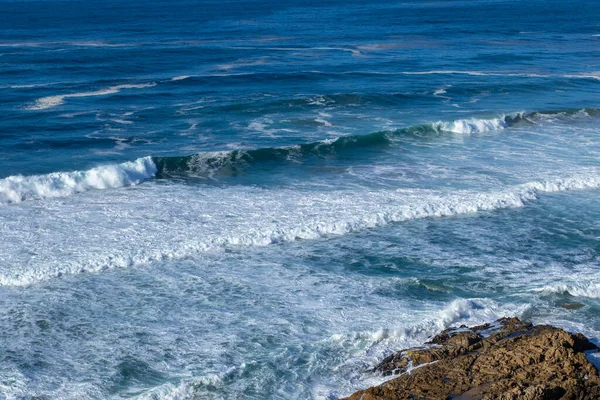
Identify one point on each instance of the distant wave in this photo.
(212, 165)
(29, 86)
(53, 101)
(581, 75)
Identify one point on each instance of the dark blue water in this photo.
(253, 199)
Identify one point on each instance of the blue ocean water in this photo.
(260, 199)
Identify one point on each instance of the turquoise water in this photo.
(262, 200)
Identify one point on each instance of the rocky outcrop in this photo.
(507, 360)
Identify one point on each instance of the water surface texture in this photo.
(262, 199)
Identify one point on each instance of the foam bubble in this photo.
(470, 126)
(18, 188)
(44, 103)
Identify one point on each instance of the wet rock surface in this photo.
(508, 359)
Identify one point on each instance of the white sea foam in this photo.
(445, 72)
(459, 311)
(53, 101)
(483, 73)
(323, 122)
(578, 289)
(181, 221)
(18, 188)
(470, 126)
(169, 391)
(369, 347)
(29, 86)
(208, 163)
(180, 78)
(319, 100)
(583, 75)
(262, 125)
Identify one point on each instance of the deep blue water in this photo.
(259, 199)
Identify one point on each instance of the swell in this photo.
(207, 164)
(18, 188)
(229, 163)
(212, 164)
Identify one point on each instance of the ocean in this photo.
(261, 199)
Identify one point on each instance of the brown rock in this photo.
(507, 360)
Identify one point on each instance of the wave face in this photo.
(211, 164)
(229, 163)
(208, 163)
(16, 189)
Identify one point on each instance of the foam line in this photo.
(44, 103)
(179, 222)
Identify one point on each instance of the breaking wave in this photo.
(212, 165)
(18, 188)
(583, 289)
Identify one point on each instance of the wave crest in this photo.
(18, 188)
(471, 126)
(215, 164)
(589, 290)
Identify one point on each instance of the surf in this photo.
(213, 165)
